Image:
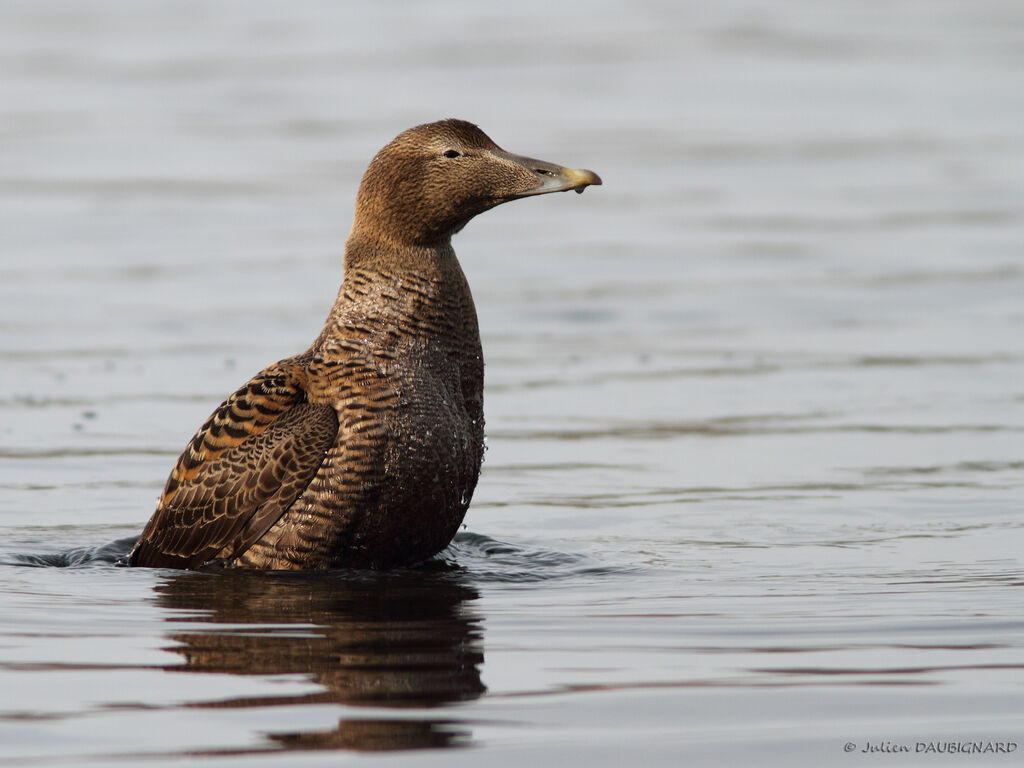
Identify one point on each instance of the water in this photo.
(755, 406)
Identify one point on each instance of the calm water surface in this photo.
(754, 485)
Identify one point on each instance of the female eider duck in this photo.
(364, 450)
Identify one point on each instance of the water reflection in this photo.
(396, 640)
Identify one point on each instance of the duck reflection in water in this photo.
(397, 640)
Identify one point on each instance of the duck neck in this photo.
(417, 289)
(383, 256)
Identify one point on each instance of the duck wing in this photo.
(245, 466)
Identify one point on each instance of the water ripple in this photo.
(478, 558)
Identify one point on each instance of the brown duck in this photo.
(364, 450)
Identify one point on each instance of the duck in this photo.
(363, 451)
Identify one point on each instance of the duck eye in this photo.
(451, 153)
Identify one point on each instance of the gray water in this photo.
(755, 407)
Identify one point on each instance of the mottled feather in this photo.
(244, 467)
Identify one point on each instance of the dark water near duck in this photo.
(755, 481)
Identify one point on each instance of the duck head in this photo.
(432, 179)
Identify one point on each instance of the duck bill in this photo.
(553, 178)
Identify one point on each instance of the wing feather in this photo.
(245, 466)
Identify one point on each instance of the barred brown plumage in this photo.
(364, 450)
